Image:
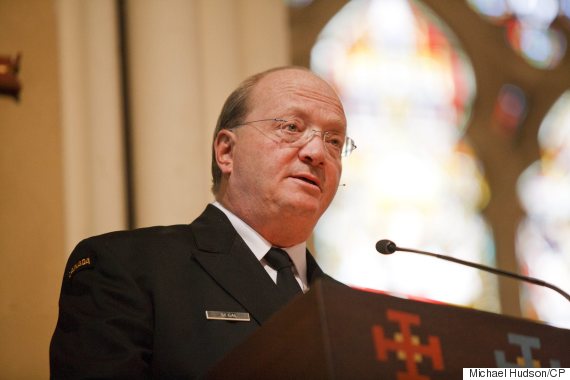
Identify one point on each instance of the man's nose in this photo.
(314, 150)
(320, 135)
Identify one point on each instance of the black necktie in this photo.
(279, 260)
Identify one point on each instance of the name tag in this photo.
(227, 316)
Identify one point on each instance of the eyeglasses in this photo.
(295, 134)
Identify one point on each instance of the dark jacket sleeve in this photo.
(104, 329)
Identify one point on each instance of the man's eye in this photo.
(335, 141)
(291, 128)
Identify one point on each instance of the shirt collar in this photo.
(260, 246)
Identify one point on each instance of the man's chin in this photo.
(305, 206)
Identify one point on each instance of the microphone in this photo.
(387, 247)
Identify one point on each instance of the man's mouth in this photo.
(308, 179)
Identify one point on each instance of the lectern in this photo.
(335, 332)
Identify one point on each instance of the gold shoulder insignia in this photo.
(84, 263)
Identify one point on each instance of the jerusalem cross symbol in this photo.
(407, 346)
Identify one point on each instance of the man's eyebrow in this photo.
(334, 124)
(339, 126)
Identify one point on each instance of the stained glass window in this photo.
(529, 27)
(543, 241)
(407, 88)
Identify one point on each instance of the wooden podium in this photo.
(335, 332)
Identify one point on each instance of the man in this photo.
(163, 301)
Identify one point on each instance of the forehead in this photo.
(294, 92)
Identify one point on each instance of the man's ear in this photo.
(224, 148)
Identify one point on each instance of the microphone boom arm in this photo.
(533, 280)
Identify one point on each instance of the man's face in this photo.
(294, 184)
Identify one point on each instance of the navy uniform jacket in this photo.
(133, 303)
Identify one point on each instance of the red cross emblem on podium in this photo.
(407, 346)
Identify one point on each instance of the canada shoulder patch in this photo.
(84, 263)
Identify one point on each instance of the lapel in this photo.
(225, 256)
(313, 269)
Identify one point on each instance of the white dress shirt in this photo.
(259, 246)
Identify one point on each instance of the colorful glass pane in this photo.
(407, 88)
(543, 241)
(529, 27)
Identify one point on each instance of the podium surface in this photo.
(335, 332)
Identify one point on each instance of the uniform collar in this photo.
(260, 246)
